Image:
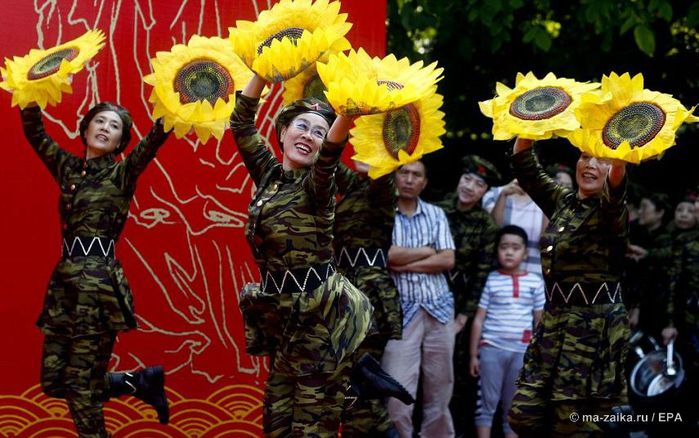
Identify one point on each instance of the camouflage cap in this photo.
(483, 168)
(305, 105)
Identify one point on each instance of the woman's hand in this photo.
(339, 131)
(668, 334)
(254, 88)
(633, 317)
(522, 144)
(617, 171)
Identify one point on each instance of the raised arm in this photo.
(534, 179)
(47, 149)
(322, 181)
(257, 157)
(144, 152)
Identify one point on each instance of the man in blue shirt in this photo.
(422, 252)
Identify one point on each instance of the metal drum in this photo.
(657, 377)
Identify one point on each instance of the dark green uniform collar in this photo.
(99, 163)
(293, 174)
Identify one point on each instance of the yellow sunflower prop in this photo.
(305, 84)
(389, 140)
(536, 109)
(359, 85)
(626, 122)
(194, 86)
(42, 75)
(291, 36)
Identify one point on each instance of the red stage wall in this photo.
(183, 248)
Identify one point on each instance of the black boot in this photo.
(369, 380)
(147, 385)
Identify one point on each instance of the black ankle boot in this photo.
(147, 385)
(369, 381)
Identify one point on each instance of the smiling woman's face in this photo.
(590, 174)
(302, 139)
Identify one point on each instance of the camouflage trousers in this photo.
(311, 338)
(307, 405)
(75, 369)
(368, 417)
(534, 415)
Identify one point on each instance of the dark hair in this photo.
(123, 114)
(511, 229)
(660, 201)
(298, 107)
(424, 166)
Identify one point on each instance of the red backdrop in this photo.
(183, 248)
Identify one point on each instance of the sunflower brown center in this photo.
(540, 103)
(203, 79)
(390, 84)
(401, 130)
(637, 123)
(314, 87)
(293, 33)
(50, 63)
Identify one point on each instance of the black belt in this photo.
(87, 246)
(295, 280)
(348, 258)
(561, 293)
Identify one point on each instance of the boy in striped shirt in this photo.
(511, 304)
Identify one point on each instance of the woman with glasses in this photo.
(305, 316)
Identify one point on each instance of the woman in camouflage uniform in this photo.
(575, 362)
(88, 299)
(363, 230)
(308, 318)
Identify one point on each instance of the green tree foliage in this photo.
(479, 42)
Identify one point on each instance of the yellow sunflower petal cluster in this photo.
(42, 75)
(289, 37)
(391, 139)
(536, 109)
(305, 84)
(194, 86)
(358, 84)
(627, 122)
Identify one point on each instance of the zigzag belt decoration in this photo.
(296, 280)
(602, 293)
(354, 258)
(82, 246)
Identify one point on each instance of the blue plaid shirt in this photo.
(428, 226)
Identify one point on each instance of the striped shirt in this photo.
(428, 226)
(509, 301)
(523, 212)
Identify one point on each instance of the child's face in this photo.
(684, 216)
(511, 251)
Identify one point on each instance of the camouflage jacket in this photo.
(578, 350)
(292, 213)
(364, 220)
(586, 239)
(474, 236)
(365, 215)
(290, 226)
(89, 295)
